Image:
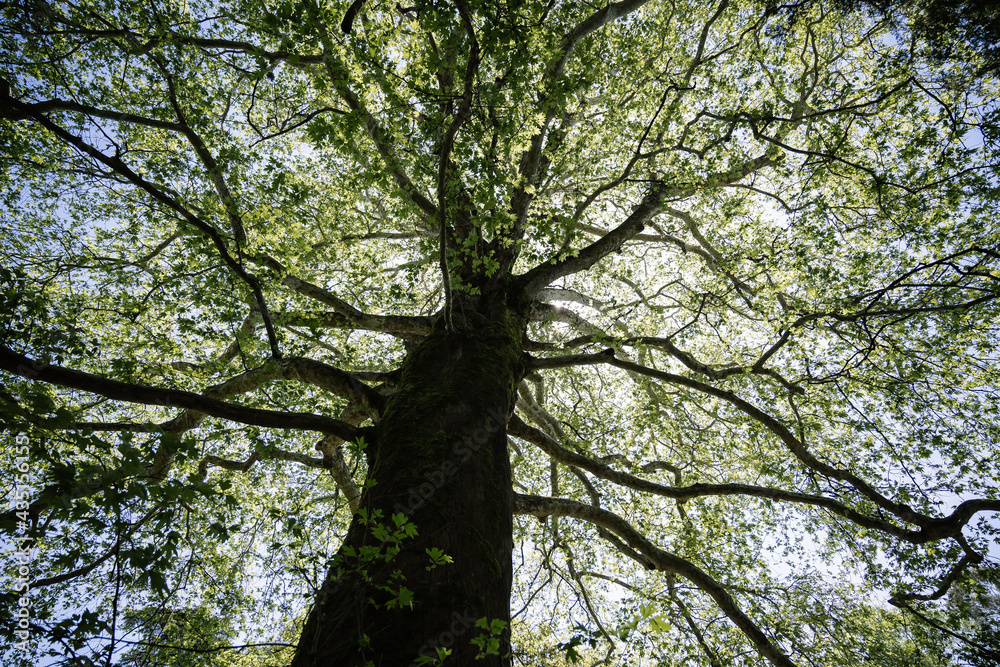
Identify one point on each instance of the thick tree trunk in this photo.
(440, 459)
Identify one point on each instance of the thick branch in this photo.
(339, 78)
(210, 164)
(685, 358)
(243, 466)
(931, 528)
(133, 393)
(402, 326)
(900, 599)
(333, 459)
(446, 147)
(56, 104)
(547, 444)
(532, 158)
(346, 315)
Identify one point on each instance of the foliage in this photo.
(951, 29)
(164, 628)
(974, 608)
(758, 253)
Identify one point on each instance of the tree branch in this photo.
(133, 393)
(663, 561)
(547, 444)
(119, 167)
(530, 161)
(346, 315)
(87, 569)
(544, 274)
(28, 109)
(339, 77)
(401, 326)
(931, 528)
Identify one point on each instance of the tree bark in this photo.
(439, 458)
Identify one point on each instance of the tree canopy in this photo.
(748, 256)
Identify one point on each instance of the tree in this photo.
(642, 332)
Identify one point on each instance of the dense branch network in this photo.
(633, 264)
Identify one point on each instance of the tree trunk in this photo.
(439, 459)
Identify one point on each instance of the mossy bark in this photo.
(440, 458)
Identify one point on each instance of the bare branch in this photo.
(931, 528)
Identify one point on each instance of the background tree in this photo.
(309, 307)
